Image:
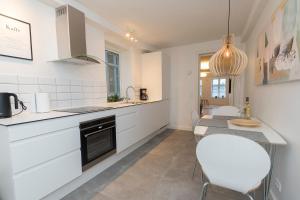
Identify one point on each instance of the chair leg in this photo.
(195, 166)
(204, 191)
(250, 197)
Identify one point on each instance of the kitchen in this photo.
(59, 143)
(91, 100)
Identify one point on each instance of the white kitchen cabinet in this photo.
(43, 179)
(29, 153)
(155, 75)
(39, 157)
(136, 126)
(126, 121)
(126, 138)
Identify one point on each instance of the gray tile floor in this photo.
(159, 170)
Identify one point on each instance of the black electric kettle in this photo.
(5, 105)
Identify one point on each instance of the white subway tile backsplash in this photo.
(8, 79)
(76, 88)
(63, 82)
(53, 105)
(88, 95)
(63, 96)
(103, 95)
(63, 104)
(13, 88)
(100, 89)
(31, 107)
(46, 81)
(52, 96)
(62, 88)
(76, 103)
(47, 88)
(28, 98)
(97, 95)
(88, 83)
(88, 89)
(88, 102)
(76, 82)
(76, 96)
(28, 88)
(27, 80)
(100, 84)
(63, 93)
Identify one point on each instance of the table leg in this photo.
(267, 180)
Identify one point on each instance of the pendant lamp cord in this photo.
(228, 18)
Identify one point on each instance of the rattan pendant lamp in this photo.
(229, 60)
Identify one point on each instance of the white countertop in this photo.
(272, 136)
(27, 117)
(31, 117)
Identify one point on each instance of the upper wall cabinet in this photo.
(155, 76)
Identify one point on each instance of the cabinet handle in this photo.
(96, 132)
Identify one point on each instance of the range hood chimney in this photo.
(71, 40)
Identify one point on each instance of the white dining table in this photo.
(274, 141)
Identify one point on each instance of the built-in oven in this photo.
(98, 140)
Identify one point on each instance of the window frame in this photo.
(200, 87)
(115, 66)
(219, 86)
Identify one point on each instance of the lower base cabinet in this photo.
(37, 182)
(41, 157)
(136, 126)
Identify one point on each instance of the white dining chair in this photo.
(226, 111)
(232, 162)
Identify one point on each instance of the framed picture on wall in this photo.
(15, 38)
(278, 46)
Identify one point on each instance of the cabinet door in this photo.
(43, 179)
(126, 138)
(34, 151)
(152, 75)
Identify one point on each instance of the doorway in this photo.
(213, 90)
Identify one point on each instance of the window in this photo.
(218, 88)
(112, 73)
(200, 88)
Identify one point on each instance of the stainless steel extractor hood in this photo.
(71, 40)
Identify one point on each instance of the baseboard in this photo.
(97, 169)
(272, 195)
(178, 127)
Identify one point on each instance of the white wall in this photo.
(183, 96)
(42, 19)
(130, 64)
(279, 106)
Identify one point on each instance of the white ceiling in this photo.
(166, 23)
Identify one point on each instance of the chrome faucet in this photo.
(127, 95)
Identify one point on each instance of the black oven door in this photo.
(98, 140)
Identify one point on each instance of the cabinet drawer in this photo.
(27, 130)
(34, 151)
(38, 182)
(126, 138)
(125, 121)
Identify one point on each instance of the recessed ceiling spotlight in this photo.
(130, 35)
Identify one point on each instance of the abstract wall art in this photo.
(277, 58)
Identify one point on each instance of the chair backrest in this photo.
(226, 111)
(195, 119)
(232, 161)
